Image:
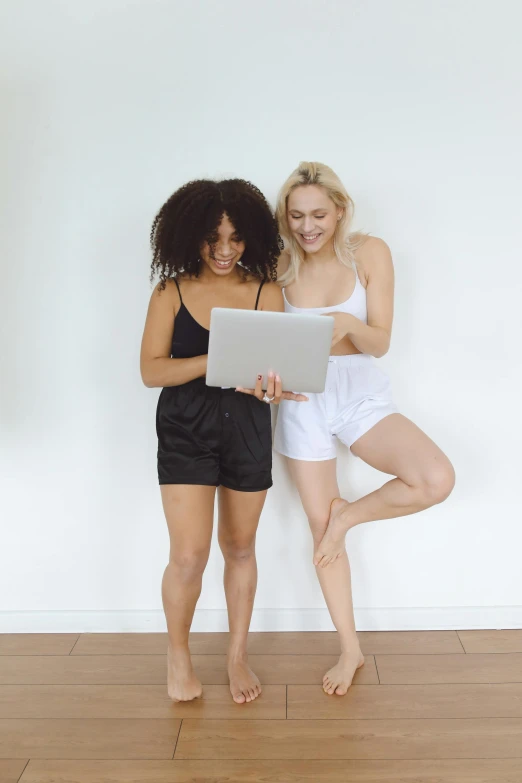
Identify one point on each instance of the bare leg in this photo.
(189, 511)
(239, 514)
(316, 483)
(398, 447)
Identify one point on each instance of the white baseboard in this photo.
(367, 619)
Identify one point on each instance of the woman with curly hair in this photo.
(215, 244)
(330, 271)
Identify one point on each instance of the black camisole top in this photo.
(190, 338)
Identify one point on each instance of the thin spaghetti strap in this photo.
(179, 292)
(259, 293)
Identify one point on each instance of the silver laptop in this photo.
(246, 343)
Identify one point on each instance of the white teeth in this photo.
(312, 236)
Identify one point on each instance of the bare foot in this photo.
(340, 677)
(332, 543)
(244, 685)
(183, 685)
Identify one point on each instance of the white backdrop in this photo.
(108, 107)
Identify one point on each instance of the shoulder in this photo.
(166, 298)
(271, 297)
(372, 256)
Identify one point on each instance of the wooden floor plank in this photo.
(37, 643)
(411, 669)
(410, 642)
(350, 739)
(11, 769)
(133, 701)
(151, 669)
(83, 739)
(492, 641)
(274, 643)
(407, 701)
(324, 771)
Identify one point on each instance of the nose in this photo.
(224, 250)
(308, 224)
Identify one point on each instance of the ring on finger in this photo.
(266, 398)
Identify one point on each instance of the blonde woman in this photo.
(327, 270)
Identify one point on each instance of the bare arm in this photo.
(157, 368)
(374, 337)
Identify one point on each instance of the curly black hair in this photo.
(192, 216)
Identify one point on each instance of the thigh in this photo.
(317, 485)
(239, 514)
(396, 446)
(189, 510)
(246, 444)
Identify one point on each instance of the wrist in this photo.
(350, 323)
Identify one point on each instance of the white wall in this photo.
(109, 106)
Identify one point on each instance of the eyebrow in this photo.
(317, 209)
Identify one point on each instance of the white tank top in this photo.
(355, 305)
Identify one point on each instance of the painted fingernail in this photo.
(259, 377)
(278, 378)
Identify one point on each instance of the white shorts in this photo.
(357, 396)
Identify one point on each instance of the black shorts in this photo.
(213, 437)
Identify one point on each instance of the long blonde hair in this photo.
(345, 243)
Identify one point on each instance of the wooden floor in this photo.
(428, 707)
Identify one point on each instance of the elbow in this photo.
(382, 349)
(146, 377)
(150, 383)
(384, 345)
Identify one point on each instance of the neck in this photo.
(324, 256)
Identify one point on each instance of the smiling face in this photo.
(221, 251)
(312, 217)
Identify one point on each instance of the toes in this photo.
(239, 698)
(328, 686)
(341, 690)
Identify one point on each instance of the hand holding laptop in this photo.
(274, 391)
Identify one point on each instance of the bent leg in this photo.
(424, 477)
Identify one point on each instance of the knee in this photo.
(189, 563)
(437, 484)
(238, 551)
